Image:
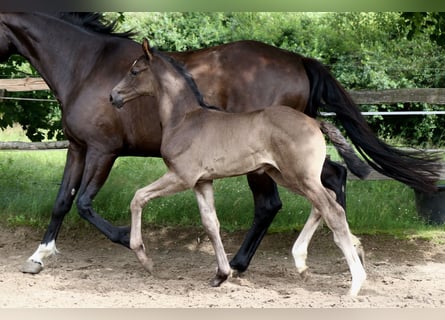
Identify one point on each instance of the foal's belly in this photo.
(233, 163)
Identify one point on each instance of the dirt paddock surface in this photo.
(90, 271)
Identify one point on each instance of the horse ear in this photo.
(147, 49)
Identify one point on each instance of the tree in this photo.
(364, 50)
(39, 119)
(431, 23)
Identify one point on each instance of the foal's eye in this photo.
(133, 72)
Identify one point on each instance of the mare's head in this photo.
(138, 81)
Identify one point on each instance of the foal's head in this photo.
(141, 79)
(138, 81)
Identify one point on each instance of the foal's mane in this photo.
(95, 22)
(180, 68)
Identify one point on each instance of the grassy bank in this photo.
(29, 182)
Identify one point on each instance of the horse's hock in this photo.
(431, 206)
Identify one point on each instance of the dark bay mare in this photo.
(74, 56)
(291, 151)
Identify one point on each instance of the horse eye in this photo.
(133, 72)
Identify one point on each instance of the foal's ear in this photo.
(147, 49)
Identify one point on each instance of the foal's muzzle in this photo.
(116, 100)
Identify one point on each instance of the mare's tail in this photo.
(353, 162)
(416, 169)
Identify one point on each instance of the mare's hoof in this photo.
(216, 282)
(32, 267)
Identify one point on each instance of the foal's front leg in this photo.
(168, 184)
(204, 196)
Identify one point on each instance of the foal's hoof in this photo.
(32, 267)
(148, 265)
(216, 282)
(304, 274)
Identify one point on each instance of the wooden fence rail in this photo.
(423, 95)
(24, 84)
(428, 95)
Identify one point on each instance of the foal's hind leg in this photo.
(299, 249)
(204, 196)
(335, 218)
(267, 204)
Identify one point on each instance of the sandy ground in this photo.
(90, 271)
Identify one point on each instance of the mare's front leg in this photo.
(72, 175)
(204, 196)
(168, 184)
(97, 168)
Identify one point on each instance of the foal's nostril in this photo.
(116, 101)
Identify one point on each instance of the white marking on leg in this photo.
(73, 192)
(357, 271)
(345, 241)
(299, 249)
(44, 251)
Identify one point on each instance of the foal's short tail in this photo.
(353, 162)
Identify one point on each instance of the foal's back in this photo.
(224, 144)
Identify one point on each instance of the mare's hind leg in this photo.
(204, 196)
(70, 182)
(267, 204)
(333, 177)
(299, 249)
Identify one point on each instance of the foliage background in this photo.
(364, 50)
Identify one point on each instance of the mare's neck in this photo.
(175, 96)
(62, 53)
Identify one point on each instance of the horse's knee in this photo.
(83, 207)
(138, 201)
(265, 212)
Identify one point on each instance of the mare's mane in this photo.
(95, 22)
(180, 68)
